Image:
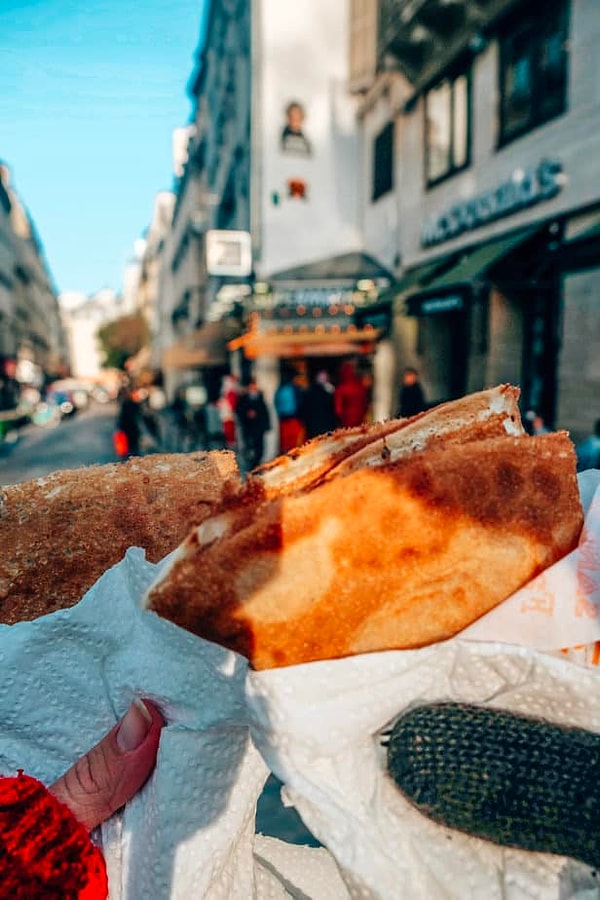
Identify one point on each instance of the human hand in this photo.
(100, 782)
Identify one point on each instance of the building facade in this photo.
(147, 288)
(33, 345)
(212, 192)
(307, 239)
(83, 316)
(305, 137)
(480, 124)
(274, 152)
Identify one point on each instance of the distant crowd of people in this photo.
(305, 411)
(237, 417)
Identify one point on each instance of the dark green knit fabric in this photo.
(517, 781)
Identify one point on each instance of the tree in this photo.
(122, 338)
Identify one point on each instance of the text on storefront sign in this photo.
(525, 188)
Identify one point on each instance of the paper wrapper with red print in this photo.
(559, 611)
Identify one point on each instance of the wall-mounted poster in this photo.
(293, 139)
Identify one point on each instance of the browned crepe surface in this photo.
(397, 557)
(476, 416)
(59, 533)
(472, 417)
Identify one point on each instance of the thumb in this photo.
(99, 783)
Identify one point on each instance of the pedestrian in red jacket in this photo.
(350, 398)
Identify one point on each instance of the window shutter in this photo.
(363, 44)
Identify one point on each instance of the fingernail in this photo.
(134, 727)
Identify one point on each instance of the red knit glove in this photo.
(45, 852)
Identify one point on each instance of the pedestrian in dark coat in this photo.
(412, 397)
(254, 420)
(318, 409)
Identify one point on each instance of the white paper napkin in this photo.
(318, 728)
(68, 677)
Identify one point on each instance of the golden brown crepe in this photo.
(389, 537)
(479, 415)
(483, 414)
(62, 531)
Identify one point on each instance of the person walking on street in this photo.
(318, 408)
(533, 423)
(179, 421)
(254, 420)
(588, 450)
(287, 401)
(227, 406)
(411, 400)
(129, 421)
(350, 397)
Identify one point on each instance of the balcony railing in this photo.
(420, 37)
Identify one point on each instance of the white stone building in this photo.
(151, 257)
(481, 163)
(212, 191)
(82, 317)
(274, 151)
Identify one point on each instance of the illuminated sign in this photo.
(429, 304)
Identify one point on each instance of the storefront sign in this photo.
(424, 306)
(228, 253)
(311, 297)
(526, 188)
(380, 318)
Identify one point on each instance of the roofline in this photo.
(194, 84)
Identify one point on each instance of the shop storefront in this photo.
(316, 317)
(578, 404)
(502, 309)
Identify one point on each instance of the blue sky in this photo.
(90, 91)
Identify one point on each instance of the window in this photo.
(383, 162)
(447, 128)
(533, 70)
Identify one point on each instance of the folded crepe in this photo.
(388, 536)
(62, 531)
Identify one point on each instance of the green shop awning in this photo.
(453, 288)
(411, 281)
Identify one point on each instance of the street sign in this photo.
(228, 253)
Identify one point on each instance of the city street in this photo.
(82, 440)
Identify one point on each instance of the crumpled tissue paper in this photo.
(65, 679)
